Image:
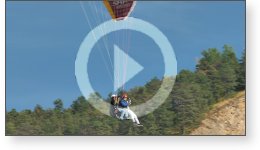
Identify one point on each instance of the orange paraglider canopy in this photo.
(119, 9)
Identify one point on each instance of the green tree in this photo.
(220, 69)
(69, 123)
(209, 65)
(150, 127)
(38, 110)
(229, 70)
(10, 128)
(80, 105)
(184, 104)
(58, 105)
(205, 86)
(187, 102)
(242, 72)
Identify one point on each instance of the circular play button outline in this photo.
(135, 24)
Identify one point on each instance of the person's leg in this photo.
(114, 111)
(122, 112)
(130, 113)
(133, 116)
(125, 113)
(136, 119)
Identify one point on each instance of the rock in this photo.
(225, 118)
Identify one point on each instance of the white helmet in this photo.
(113, 95)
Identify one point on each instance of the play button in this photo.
(125, 68)
(146, 28)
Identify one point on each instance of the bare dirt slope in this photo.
(225, 118)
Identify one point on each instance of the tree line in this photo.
(218, 74)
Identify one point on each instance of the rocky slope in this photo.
(225, 118)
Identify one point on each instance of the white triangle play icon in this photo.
(125, 68)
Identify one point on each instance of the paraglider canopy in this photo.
(119, 9)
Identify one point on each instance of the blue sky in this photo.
(43, 38)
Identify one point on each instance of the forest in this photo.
(218, 74)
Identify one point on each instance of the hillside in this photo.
(225, 118)
(195, 94)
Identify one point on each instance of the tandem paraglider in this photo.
(118, 10)
(120, 108)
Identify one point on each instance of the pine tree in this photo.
(58, 105)
(242, 73)
(229, 70)
(185, 100)
(150, 127)
(221, 71)
(10, 128)
(209, 65)
(69, 123)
